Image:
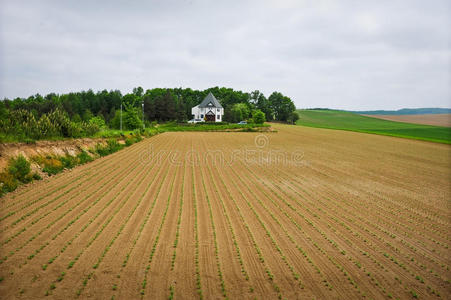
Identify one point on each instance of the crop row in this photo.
(326, 238)
(36, 220)
(179, 221)
(99, 171)
(141, 228)
(100, 231)
(366, 230)
(215, 240)
(55, 184)
(284, 229)
(395, 211)
(232, 231)
(118, 233)
(267, 270)
(157, 238)
(50, 224)
(356, 262)
(196, 235)
(308, 237)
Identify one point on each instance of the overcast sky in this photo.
(339, 54)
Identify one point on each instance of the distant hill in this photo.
(406, 111)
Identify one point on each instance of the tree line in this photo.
(82, 112)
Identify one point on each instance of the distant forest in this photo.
(82, 113)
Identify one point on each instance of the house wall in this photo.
(199, 113)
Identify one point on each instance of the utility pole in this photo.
(144, 126)
(121, 115)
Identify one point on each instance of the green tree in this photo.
(294, 116)
(258, 116)
(98, 121)
(115, 122)
(244, 110)
(87, 115)
(138, 91)
(76, 118)
(131, 119)
(281, 105)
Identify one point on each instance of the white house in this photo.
(209, 109)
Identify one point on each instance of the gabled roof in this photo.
(210, 99)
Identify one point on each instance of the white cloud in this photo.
(347, 54)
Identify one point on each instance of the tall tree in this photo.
(281, 105)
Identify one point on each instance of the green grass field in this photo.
(342, 120)
(209, 127)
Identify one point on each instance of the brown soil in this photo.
(356, 216)
(44, 148)
(427, 119)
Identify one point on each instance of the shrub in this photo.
(83, 157)
(248, 129)
(75, 129)
(111, 147)
(98, 121)
(102, 150)
(36, 176)
(29, 141)
(258, 116)
(52, 166)
(19, 168)
(7, 183)
(129, 141)
(293, 117)
(68, 161)
(90, 128)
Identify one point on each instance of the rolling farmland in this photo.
(427, 119)
(343, 120)
(301, 213)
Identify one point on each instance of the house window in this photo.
(219, 117)
(201, 116)
(218, 110)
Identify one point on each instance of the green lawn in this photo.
(209, 127)
(342, 120)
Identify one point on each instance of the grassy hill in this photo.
(406, 111)
(342, 120)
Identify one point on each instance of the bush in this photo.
(293, 117)
(138, 138)
(111, 147)
(19, 168)
(68, 161)
(90, 128)
(52, 166)
(83, 157)
(98, 121)
(75, 129)
(18, 171)
(258, 116)
(29, 141)
(7, 183)
(36, 176)
(129, 141)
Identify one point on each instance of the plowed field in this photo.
(301, 213)
(428, 119)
